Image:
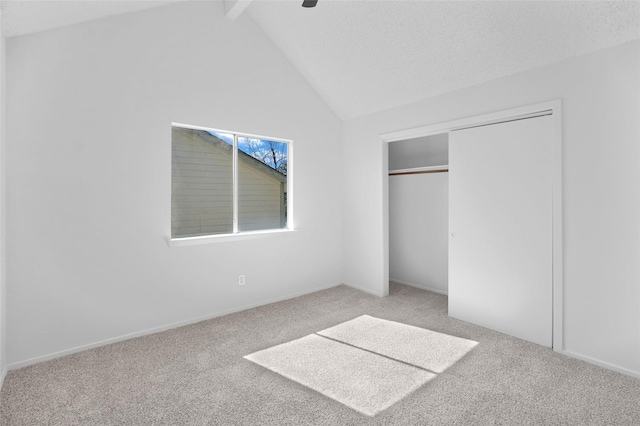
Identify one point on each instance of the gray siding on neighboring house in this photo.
(260, 204)
(202, 188)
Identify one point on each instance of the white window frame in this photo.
(236, 234)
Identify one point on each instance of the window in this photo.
(227, 183)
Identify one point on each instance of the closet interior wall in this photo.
(418, 212)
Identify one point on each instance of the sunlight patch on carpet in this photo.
(367, 364)
(364, 381)
(416, 346)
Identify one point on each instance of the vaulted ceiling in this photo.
(367, 56)
(20, 17)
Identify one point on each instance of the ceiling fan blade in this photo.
(309, 3)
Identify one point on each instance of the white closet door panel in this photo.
(500, 225)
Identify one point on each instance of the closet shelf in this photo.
(420, 170)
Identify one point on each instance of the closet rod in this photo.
(417, 172)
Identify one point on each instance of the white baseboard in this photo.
(54, 355)
(4, 374)
(603, 364)
(421, 287)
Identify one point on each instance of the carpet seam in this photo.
(376, 353)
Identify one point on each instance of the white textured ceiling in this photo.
(367, 56)
(20, 17)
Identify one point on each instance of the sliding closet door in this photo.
(500, 251)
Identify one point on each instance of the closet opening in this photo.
(418, 212)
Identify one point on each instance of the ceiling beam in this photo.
(234, 8)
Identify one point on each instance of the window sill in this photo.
(241, 236)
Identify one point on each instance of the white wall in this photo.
(419, 152)
(89, 176)
(601, 179)
(418, 230)
(3, 205)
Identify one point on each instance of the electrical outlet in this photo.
(240, 279)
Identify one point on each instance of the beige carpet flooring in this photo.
(197, 375)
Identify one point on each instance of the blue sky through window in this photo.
(274, 154)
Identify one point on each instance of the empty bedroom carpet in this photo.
(368, 363)
(197, 375)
